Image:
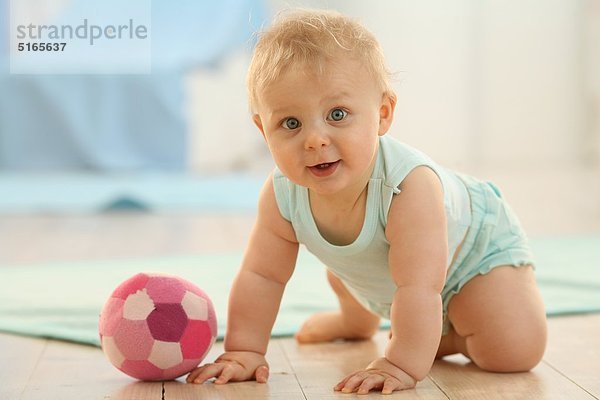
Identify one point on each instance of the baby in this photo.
(439, 254)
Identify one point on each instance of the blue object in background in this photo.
(3, 33)
(118, 122)
(154, 192)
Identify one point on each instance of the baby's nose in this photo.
(315, 139)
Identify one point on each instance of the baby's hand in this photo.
(380, 375)
(234, 366)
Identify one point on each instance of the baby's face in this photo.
(322, 129)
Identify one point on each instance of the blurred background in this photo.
(169, 162)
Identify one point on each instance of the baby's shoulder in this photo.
(399, 160)
(420, 202)
(421, 178)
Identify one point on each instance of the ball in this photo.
(157, 327)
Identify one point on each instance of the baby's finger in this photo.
(262, 374)
(370, 382)
(226, 374)
(354, 382)
(390, 384)
(207, 372)
(192, 375)
(342, 383)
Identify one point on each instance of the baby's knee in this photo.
(517, 360)
(516, 350)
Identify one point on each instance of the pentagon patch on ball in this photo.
(157, 327)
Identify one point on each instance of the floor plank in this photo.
(118, 235)
(73, 372)
(320, 366)
(282, 383)
(574, 350)
(569, 369)
(34, 369)
(460, 379)
(19, 357)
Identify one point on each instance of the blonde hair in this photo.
(311, 38)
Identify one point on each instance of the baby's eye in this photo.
(290, 123)
(337, 114)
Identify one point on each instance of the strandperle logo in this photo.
(90, 32)
(80, 37)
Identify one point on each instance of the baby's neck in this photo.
(339, 202)
(339, 221)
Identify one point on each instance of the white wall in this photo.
(222, 135)
(530, 82)
(480, 82)
(591, 80)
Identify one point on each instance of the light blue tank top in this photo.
(363, 264)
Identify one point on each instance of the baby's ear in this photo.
(386, 112)
(258, 123)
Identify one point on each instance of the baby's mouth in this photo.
(324, 165)
(324, 169)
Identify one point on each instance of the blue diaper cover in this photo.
(495, 238)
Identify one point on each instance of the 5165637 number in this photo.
(28, 46)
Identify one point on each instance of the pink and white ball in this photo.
(157, 327)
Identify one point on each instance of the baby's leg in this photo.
(498, 321)
(352, 321)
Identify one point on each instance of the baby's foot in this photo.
(327, 327)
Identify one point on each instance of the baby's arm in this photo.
(255, 296)
(417, 234)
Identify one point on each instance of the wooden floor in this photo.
(33, 368)
(36, 369)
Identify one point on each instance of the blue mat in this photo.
(63, 301)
